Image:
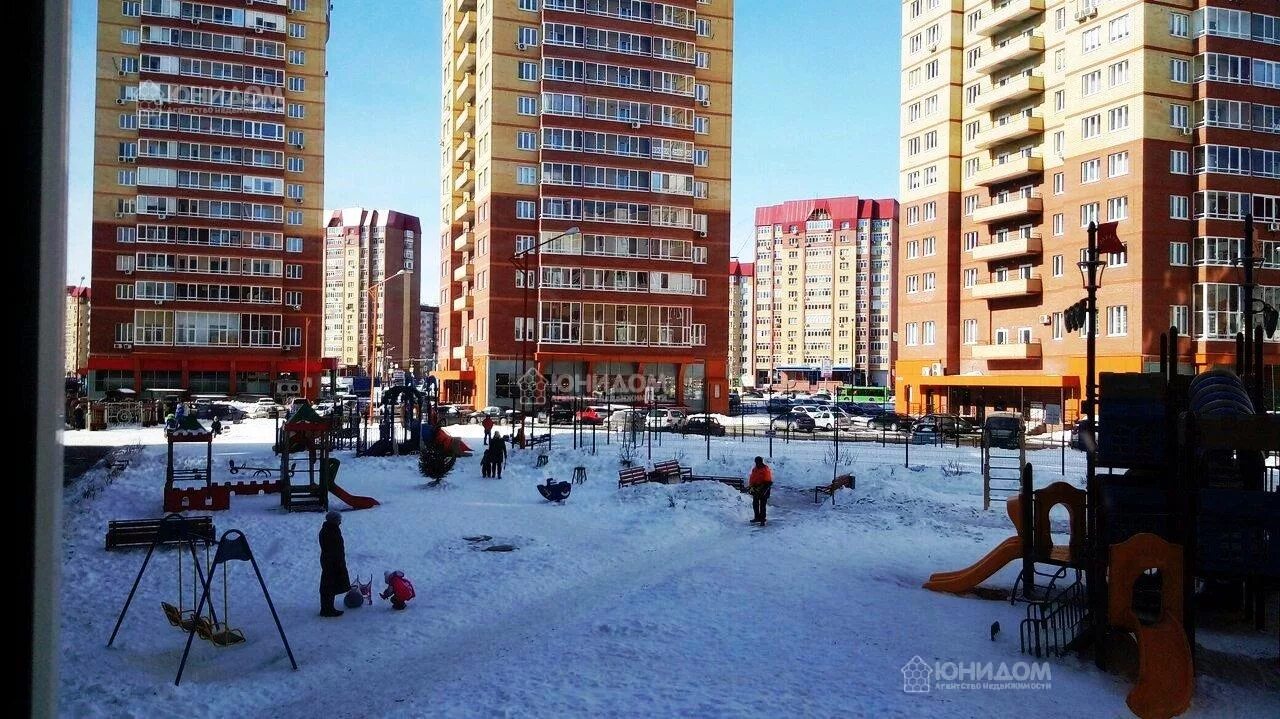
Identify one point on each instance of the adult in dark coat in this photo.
(497, 454)
(334, 579)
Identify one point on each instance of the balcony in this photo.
(466, 58)
(1015, 247)
(465, 209)
(465, 90)
(466, 30)
(458, 352)
(464, 241)
(464, 272)
(1009, 53)
(465, 120)
(464, 5)
(1009, 288)
(1012, 129)
(464, 147)
(1009, 209)
(466, 176)
(995, 18)
(1011, 169)
(463, 303)
(1011, 90)
(1024, 351)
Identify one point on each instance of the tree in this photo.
(435, 462)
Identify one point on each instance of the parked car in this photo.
(701, 424)
(778, 405)
(589, 415)
(452, 414)
(808, 408)
(561, 413)
(891, 421)
(829, 419)
(949, 426)
(1077, 434)
(265, 407)
(493, 411)
(1003, 430)
(665, 418)
(627, 419)
(793, 422)
(324, 409)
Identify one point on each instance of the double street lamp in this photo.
(373, 330)
(520, 261)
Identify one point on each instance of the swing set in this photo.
(231, 546)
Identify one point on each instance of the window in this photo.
(526, 140)
(295, 164)
(913, 334)
(293, 298)
(127, 178)
(1089, 171)
(293, 217)
(970, 332)
(929, 333)
(1059, 183)
(1179, 207)
(529, 5)
(1179, 253)
(702, 125)
(297, 57)
(293, 191)
(1117, 208)
(128, 122)
(1091, 126)
(1057, 265)
(131, 9)
(297, 110)
(1180, 317)
(1091, 83)
(702, 60)
(1059, 224)
(293, 244)
(297, 30)
(1118, 118)
(1118, 29)
(297, 84)
(1179, 162)
(526, 209)
(1179, 116)
(126, 234)
(130, 36)
(930, 246)
(1088, 213)
(701, 158)
(1179, 70)
(528, 71)
(293, 272)
(1059, 142)
(528, 36)
(1118, 321)
(1178, 24)
(1117, 164)
(1058, 326)
(930, 281)
(526, 175)
(970, 276)
(1091, 39)
(526, 105)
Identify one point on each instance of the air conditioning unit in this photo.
(162, 216)
(1046, 319)
(635, 126)
(121, 345)
(933, 48)
(128, 272)
(938, 369)
(120, 101)
(119, 214)
(1186, 131)
(521, 46)
(705, 103)
(1087, 13)
(258, 30)
(159, 302)
(130, 159)
(298, 200)
(295, 307)
(1275, 226)
(926, 371)
(121, 73)
(702, 233)
(195, 21)
(298, 145)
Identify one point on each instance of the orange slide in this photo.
(963, 580)
(355, 501)
(451, 443)
(1166, 678)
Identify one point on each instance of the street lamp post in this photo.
(520, 260)
(373, 329)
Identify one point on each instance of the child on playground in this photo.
(399, 589)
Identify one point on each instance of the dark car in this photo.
(702, 426)
(561, 414)
(949, 426)
(793, 422)
(779, 405)
(228, 412)
(891, 422)
(1078, 433)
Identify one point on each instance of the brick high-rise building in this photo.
(76, 329)
(824, 291)
(428, 333)
(1023, 121)
(208, 182)
(608, 116)
(374, 250)
(742, 299)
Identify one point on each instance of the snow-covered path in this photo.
(650, 601)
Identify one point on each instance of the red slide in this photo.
(451, 443)
(355, 501)
(963, 580)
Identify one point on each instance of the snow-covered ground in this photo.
(654, 601)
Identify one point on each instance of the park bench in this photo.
(736, 482)
(142, 532)
(845, 481)
(632, 475)
(670, 472)
(538, 439)
(190, 475)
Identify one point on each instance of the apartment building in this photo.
(585, 198)
(371, 288)
(824, 292)
(208, 181)
(741, 324)
(428, 324)
(76, 329)
(1025, 120)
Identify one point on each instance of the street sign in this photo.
(826, 369)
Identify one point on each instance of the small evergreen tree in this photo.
(435, 463)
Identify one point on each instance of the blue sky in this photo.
(815, 109)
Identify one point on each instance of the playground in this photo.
(649, 600)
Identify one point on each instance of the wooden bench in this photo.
(632, 475)
(670, 472)
(844, 481)
(538, 439)
(736, 482)
(143, 532)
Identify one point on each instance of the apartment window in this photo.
(913, 250)
(701, 158)
(297, 57)
(293, 298)
(296, 138)
(526, 140)
(128, 122)
(1059, 224)
(1178, 24)
(293, 272)
(1179, 207)
(972, 92)
(1179, 116)
(1118, 321)
(528, 5)
(297, 110)
(293, 217)
(126, 234)
(131, 9)
(970, 240)
(913, 284)
(293, 244)
(971, 166)
(930, 281)
(969, 331)
(929, 333)
(1117, 208)
(1060, 60)
(1091, 39)
(1090, 171)
(526, 175)
(929, 246)
(1179, 70)
(297, 84)
(1118, 118)
(527, 71)
(1059, 142)
(970, 204)
(526, 209)
(1059, 183)
(297, 30)
(124, 292)
(970, 276)
(293, 191)
(704, 27)
(1091, 83)
(295, 164)
(1179, 162)
(127, 178)
(1058, 326)
(1091, 126)
(527, 36)
(1117, 164)
(1179, 254)
(1118, 73)
(1180, 317)
(130, 36)
(526, 105)
(1088, 213)
(702, 125)
(1059, 18)
(1118, 29)
(702, 60)
(930, 211)
(1059, 100)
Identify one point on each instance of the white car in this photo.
(265, 407)
(627, 419)
(665, 418)
(809, 409)
(828, 419)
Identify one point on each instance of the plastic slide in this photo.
(1166, 678)
(355, 501)
(451, 443)
(963, 580)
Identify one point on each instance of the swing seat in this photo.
(175, 616)
(204, 628)
(227, 637)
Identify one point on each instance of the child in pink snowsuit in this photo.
(399, 589)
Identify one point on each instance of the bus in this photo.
(864, 395)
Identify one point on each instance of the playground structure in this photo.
(398, 434)
(231, 546)
(205, 495)
(1160, 517)
(307, 432)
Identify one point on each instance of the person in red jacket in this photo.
(759, 484)
(399, 589)
(488, 427)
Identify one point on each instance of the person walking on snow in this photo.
(759, 484)
(497, 455)
(334, 579)
(488, 427)
(399, 589)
